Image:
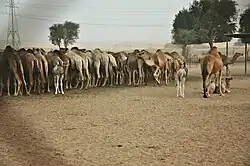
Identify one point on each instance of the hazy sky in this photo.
(101, 21)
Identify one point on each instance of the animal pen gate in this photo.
(246, 37)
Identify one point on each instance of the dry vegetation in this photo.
(128, 126)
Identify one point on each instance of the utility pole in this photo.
(13, 38)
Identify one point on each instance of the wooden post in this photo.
(227, 71)
(246, 57)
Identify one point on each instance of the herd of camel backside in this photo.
(27, 71)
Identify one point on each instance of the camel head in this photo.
(98, 50)
(9, 49)
(214, 51)
(30, 51)
(22, 50)
(37, 51)
(83, 50)
(159, 51)
(63, 50)
(74, 48)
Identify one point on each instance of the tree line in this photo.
(204, 21)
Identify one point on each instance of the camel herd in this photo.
(27, 71)
(36, 71)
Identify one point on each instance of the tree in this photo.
(208, 19)
(67, 33)
(56, 34)
(245, 24)
(71, 31)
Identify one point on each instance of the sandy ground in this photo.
(128, 126)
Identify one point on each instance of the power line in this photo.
(120, 10)
(91, 24)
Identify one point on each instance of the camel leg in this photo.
(106, 72)
(19, 83)
(81, 79)
(88, 78)
(98, 75)
(111, 76)
(183, 87)
(61, 84)
(166, 76)
(129, 77)
(8, 85)
(177, 88)
(156, 74)
(220, 79)
(134, 75)
(56, 83)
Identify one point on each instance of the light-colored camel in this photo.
(225, 85)
(58, 70)
(76, 66)
(85, 65)
(30, 64)
(211, 64)
(90, 56)
(44, 65)
(180, 82)
(112, 68)
(67, 70)
(101, 60)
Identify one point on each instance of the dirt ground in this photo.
(129, 126)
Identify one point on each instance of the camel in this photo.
(157, 60)
(30, 66)
(225, 85)
(134, 64)
(90, 55)
(211, 64)
(85, 64)
(58, 70)
(101, 60)
(14, 64)
(44, 72)
(226, 61)
(76, 66)
(112, 68)
(180, 82)
(67, 70)
(121, 58)
(177, 61)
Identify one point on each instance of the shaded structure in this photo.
(246, 37)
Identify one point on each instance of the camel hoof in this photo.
(222, 94)
(205, 96)
(62, 93)
(28, 94)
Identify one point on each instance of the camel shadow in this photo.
(21, 144)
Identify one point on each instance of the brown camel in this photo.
(30, 64)
(15, 66)
(157, 60)
(211, 64)
(227, 62)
